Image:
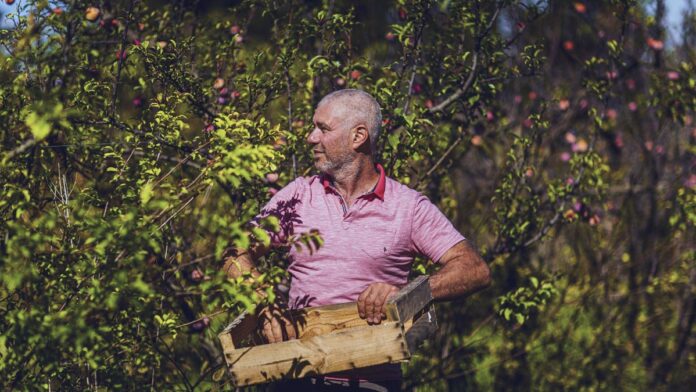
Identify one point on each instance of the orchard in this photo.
(139, 138)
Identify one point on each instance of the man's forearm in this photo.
(464, 272)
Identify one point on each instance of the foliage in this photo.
(138, 139)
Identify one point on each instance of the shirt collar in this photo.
(378, 190)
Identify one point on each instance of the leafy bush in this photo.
(139, 138)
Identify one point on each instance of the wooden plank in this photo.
(340, 350)
(321, 320)
(422, 328)
(412, 298)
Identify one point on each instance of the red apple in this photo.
(580, 146)
(631, 84)
(563, 104)
(198, 326)
(219, 83)
(92, 13)
(340, 82)
(570, 138)
(355, 74)
(417, 88)
(594, 220)
(570, 215)
(389, 36)
(655, 44)
(197, 275)
(121, 54)
(235, 29)
(568, 45)
(580, 7)
(402, 13)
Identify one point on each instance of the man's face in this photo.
(330, 138)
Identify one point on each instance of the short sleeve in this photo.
(283, 205)
(432, 234)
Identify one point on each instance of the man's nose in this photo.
(313, 137)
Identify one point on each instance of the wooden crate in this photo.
(330, 339)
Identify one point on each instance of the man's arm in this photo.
(463, 272)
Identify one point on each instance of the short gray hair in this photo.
(362, 107)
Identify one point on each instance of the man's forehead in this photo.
(328, 110)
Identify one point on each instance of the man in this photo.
(371, 227)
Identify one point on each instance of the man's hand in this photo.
(275, 326)
(372, 303)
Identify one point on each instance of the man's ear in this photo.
(360, 136)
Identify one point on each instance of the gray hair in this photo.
(361, 107)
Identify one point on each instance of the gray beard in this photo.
(337, 165)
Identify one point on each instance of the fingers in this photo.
(361, 301)
(276, 330)
(289, 329)
(275, 327)
(372, 303)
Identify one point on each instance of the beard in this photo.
(334, 164)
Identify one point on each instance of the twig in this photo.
(20, 149)
(201, 318)
(460, 91)
(177, 212)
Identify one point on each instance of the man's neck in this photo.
(356, 179)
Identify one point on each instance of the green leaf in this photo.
(146, 193)
(39, 126)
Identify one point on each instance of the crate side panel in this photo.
(337, 351)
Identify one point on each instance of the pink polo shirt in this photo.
(374, 240)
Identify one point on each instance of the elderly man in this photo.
(371, 226)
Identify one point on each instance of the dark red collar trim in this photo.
(378, 190)
(381, 183)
